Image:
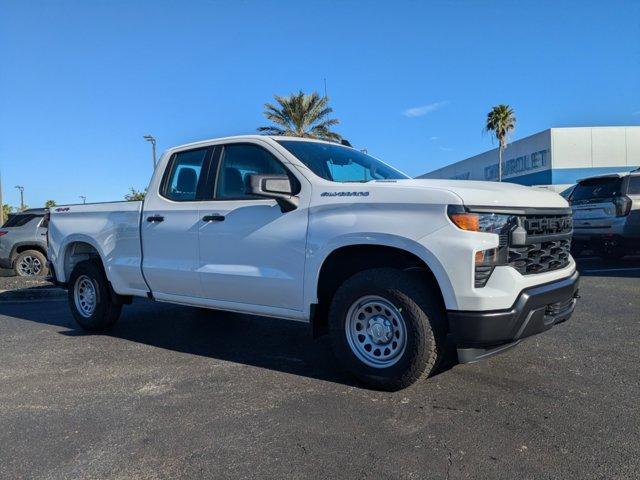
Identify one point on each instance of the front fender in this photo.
(317, 255)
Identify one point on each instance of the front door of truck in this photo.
(251, 252)
(170, 224)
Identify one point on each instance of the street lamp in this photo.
(21, 188)
(152, 140)
(84, 199)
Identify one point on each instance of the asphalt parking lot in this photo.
(177, 392)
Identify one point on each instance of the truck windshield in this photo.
(594, 190)
(340, 164)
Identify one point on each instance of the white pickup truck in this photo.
(317, 232)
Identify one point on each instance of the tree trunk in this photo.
(500, 163)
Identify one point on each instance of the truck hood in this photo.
(488, 194)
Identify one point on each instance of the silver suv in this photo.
(606, 214)
(23, 243)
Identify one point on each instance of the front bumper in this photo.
(537, 309)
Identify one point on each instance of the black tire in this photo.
(422, 312)
(30, 260)
(106, 312)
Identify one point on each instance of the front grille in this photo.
(537, 225)
(540, 257)
(547, 247)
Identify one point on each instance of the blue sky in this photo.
(82, 81)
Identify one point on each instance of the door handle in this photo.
(213, 218)
(155, 218)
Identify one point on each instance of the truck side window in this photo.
(634, 185)
(182, 182)
(238, 163)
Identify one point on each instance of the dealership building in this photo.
(556, 157)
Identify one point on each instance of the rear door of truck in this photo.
(169, 226)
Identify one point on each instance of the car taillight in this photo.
(623, 205)
(3, 232)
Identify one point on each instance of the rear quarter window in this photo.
(20, 220)
(634, 185)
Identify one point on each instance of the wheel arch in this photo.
(344, 260)
(20, 247)
(76, 250)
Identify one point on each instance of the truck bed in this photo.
(112, 229)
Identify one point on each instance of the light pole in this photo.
(84, 198)
(152, 140)
(21, 188)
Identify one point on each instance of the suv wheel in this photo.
(387, 327)
(90, 299)
(30, 263)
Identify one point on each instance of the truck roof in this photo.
(253, 137)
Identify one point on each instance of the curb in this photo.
(32, 294)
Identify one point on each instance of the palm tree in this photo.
(501, 121)
(300, 115)
(135, 195)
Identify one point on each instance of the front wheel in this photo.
(90, 299)
(388, 327)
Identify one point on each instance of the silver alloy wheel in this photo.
(85, 295)
(29, 266)
(376, 331)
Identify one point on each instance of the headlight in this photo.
(485, 260)
(478, 222)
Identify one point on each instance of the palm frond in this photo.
(301, 115)
(501, 121)
(271, 131)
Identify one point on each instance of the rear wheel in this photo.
(30, 263)
(387, 327)
(90, 298)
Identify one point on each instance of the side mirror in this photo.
(277, 187)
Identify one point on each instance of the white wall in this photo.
(568, 148)
(584, 147)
